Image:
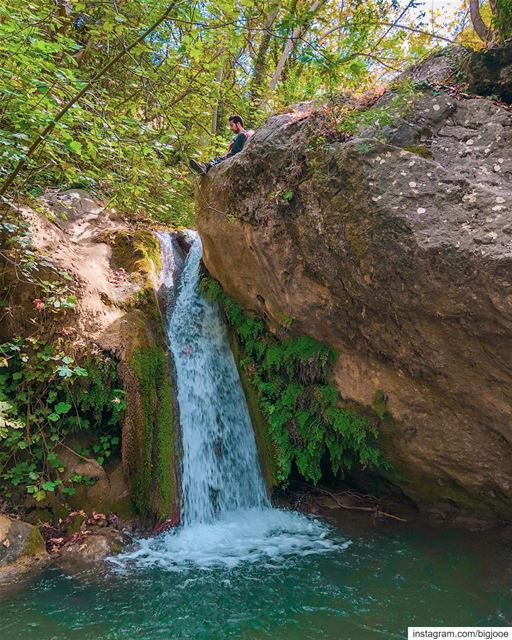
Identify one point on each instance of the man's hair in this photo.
(237, 120)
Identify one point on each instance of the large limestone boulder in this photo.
(394, 246)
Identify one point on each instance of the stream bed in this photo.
(373, 583)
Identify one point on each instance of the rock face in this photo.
(20, 545)
(92, 549)
(107, 491)
(394, 246)
(489, 72)
(113, 267)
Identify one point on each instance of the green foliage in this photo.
(287, 195)
(129, 136)
(353, 120)
(45, 397)
(304, 412)
(46, 393)
(258, 417)
(165, 449)
(52, 288)
(502, 19)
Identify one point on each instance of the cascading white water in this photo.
(226, 515)
(220, 471)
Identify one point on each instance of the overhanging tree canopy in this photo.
(113, 96)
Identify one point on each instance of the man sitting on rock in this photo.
(236, 124)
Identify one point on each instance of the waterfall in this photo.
(227, 518)
(220, 471)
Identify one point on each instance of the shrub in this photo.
(45, 396)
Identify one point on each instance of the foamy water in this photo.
(266, 536)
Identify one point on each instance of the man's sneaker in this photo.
(198, 167)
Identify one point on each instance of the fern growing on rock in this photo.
(306, 419)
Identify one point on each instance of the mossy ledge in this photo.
(153, 482)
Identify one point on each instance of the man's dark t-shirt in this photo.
(237, 144)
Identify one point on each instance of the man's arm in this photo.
(226, 155)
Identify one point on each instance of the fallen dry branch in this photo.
(338, 495)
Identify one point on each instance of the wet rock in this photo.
(472, 524)
(21, 546)
(402, 262)
(87, 549)
(76, 464)
(104, 491)
(184, 241)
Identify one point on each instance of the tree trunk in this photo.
(260, 62)
(297, 32)
(482, 31)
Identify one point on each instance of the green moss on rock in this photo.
(154, 488)
(123, 508)
(76, 524)
(306, 421)
(420, 150)
(34, 545)
(379, 404)
(39, 516)
(137, 251)
(148, 437)
(165, 449)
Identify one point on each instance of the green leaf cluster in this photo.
(129, 135)
(52, 288)
(354, 120)
(47, 396)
